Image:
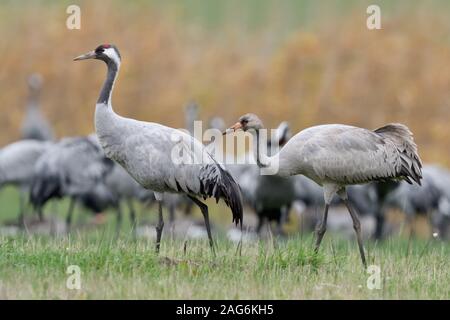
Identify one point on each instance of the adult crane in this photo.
(160, 158)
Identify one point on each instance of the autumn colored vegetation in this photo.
(300, 61)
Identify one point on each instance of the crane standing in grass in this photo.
(335, 156)
(160, 158)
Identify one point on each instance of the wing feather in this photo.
(352, 155)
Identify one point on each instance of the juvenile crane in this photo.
(146, 151)
(335, 156)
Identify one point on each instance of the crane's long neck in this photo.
(33, 99)
(106, 121)
(108, 86)
(262, 159)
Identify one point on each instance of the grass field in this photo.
(34, 267)
(306, 61)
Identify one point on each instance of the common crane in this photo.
(335, 156)
(146, 150)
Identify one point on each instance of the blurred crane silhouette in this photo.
(126, 190)
(431, 199)
(76, 168)
(34, 125)
(17, 162)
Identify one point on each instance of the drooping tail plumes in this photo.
(400, 135)
(218, 183)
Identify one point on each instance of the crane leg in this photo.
(379, 217)
(40, 214)
(188, 209)
(322, 228)
(159, 226)
(357, 227)
(410, 224)
(171, 214)
(69, 214)
(132, 217)
(283, 219)
(432, 222)
(204, 209)
(119, 219)
(21, 209)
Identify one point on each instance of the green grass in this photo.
(34, 267)
(123, 269)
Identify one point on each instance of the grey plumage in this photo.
(34, 125)
(273, 195)
(17, 162)
(74, 167)
(342, 155)
(173, 201)
(335, 156)
(401, 137)
(307, 191)
(432, 198)
(123, 186)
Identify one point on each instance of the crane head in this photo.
(105, 52)
(246, 122)
(283, 133)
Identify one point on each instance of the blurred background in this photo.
(304, 61)
(307, 62)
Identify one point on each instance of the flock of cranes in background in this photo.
(94, 181)
(77, 168)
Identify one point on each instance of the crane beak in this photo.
(89, 55)
(233, 128)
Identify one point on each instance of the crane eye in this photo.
(99, 49)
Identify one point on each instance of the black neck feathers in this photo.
(105, 93)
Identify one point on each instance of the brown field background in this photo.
(300, 61)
